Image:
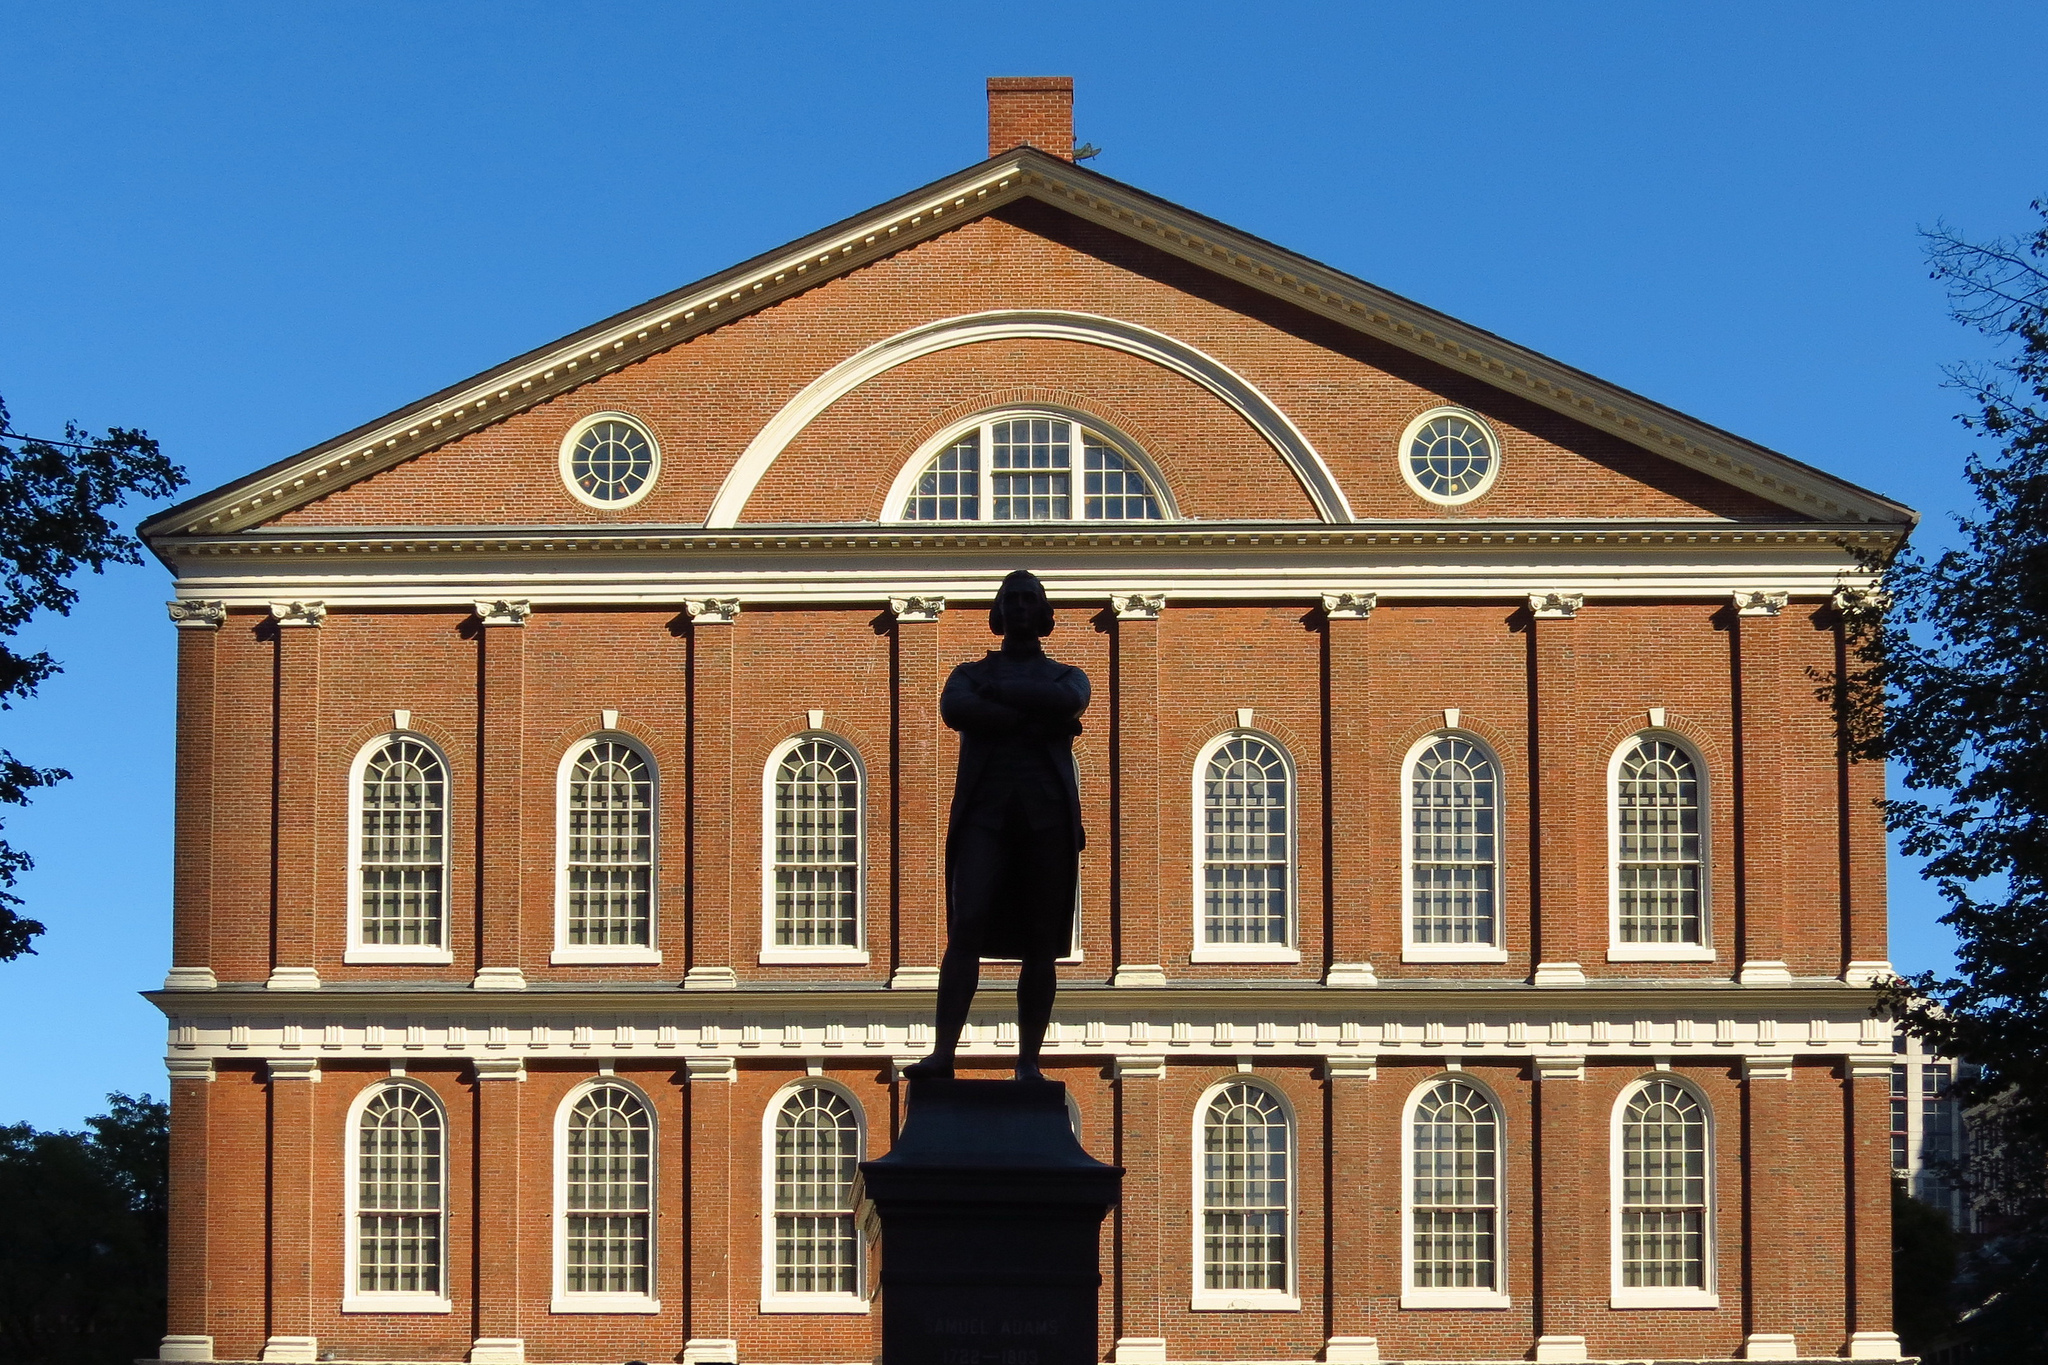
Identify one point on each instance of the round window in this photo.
(609, 460)
(1449, 457)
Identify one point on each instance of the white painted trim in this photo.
(772, 1302)
(356, 950)
(567, 453)
(1236, 952)
(621, 953)
(1246, 1300)
(351, 1300)
(561, 1300)
(1496, 1297)
(857, 951)
(1411, 951)
(1707, 1296)
(1617, 951)
(1243, 1300)
(1087, 329)
(1421, 420)
(907, 478)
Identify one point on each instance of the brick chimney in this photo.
(1031, 111)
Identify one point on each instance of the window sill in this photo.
(426, 957)
(1244, 1301)
(396, 1303)
(1244, 952)
(604, 1303)
(782, 956)
(813, 1303)
(1454, 1298)
(1452, 952)
(613, 954)
(1664, 1298)
(1659, 952)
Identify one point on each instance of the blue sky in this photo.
(249, 227)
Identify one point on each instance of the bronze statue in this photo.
(1014, 840)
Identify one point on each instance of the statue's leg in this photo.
(1038, 983)
(976, 865)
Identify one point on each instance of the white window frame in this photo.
(1203, 1300)
(771, 1300)
(1423, 419)
(585, 954)
(1498, 1296)
(353, 1301)
(567, 456)
(1411, 950)
(1617, 951)
(1708, 1295)
(771, 953)
(356, 950)
(905, 484)
(562, 1301)
(1288, 950)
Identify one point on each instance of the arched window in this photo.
(1453, 852)
(1662, 1171)
(607, 1200)
(401, 853)
(814, 1252)
(1659, 851)
(1455, 1242)
(814, 856)
(607, 850)
(1245, 827)
(1246, 1197)
(1023, 467)
(399, 1200)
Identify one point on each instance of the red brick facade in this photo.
(1627, 573)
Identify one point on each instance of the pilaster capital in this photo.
(1868, 1066)
(712, 611)
(1859, 601)
(1561, 1067)
(1363, 1067)
(1775, 1067)
(1141, 1068)
(197, 613)
(189, 1068)
(298, 613)
(499, 1068)
(1760, 601)
(293, 1068)
(711, 1069)
(1137, 606)
(1349, 606)
(1555, 606)
(504, 612)
(917, 610)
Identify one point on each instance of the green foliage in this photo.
(1923, 1272)
(82, 1238)
(54, 500)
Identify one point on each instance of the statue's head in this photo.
(1021, 604)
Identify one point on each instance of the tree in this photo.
(82, 1237)
(54, 502)
(1951, 684)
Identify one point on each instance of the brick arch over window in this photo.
(1232, 389)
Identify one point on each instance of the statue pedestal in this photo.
(990, 1217)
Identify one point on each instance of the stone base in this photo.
(293, 1350)
(186, 1348)
(498, 1351)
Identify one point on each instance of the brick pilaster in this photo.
(199, 626)
(1571, 913)
(1570, 1258)
(188, 1330)
(1869, 1220)
(499, 1287)
(1359, 929)
(1760, 803)
(709, 1217)
(1139, 1284)
(1771, 1238)
(917, 886)
(290, 1319)
(500, 816)
(295, 847)
(1364, 1263)
(1141, 931)
(712, 814)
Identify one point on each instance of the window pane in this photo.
(1031, 469)
(950, 487)
(1113, 487)
(608, 1193)
(1657, 807)
(612, 461)
(817, 847)
(817, 1154)
(610, 869)
(398, 1194)
(1453, 815)
(1245, 1203)
(1455, 1188)
(1246, 853)
(1663, 1189)
(402, 845)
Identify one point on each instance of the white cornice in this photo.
(664, 322)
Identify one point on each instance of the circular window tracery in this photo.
(1449, 456)
(609, 460)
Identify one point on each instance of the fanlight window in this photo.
(817, 847)
(1663, 1189)
(402, 857)
(1024, 468)
(1658, 848)
(1246, 1203)
(398, 1194)
(608, 1194)
(817, 1154)
(608, 871)
(1455, 1199)
(1454, 815)
(1247, 845)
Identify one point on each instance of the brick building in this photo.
(1474, 939)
